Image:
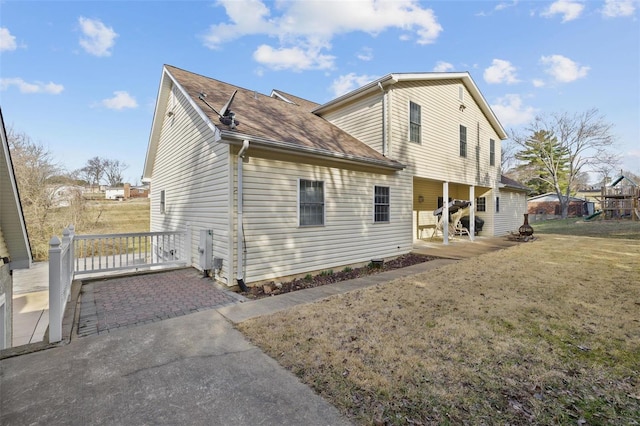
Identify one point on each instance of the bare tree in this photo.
(39, 178)
(584, 139)
(113, 170)
(93, 170)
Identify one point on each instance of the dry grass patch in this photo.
(545, 332)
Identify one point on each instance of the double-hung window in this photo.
(415, 123)
(381, 204)
(492, 152)
(497, 204)
(463, 141)
(311, 202)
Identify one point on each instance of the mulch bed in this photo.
(328, 277)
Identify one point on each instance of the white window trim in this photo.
(324, 203)
(163, 201)
(409, 122)
(374, 204)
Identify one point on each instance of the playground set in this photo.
(619, 200)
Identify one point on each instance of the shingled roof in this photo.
(271, 122)
(513, 184)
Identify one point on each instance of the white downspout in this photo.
(240, 230)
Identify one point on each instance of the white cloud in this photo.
(36, 87)
(511, 112)
(616, 8)
(442, 66)
(563, 69)
(365, 54)
(569, 10)
(294, 58)
(346, 83)
(500, 71)
(120, 100)
(538, 82)
(7, 41)
(307, 27)
(98, 39)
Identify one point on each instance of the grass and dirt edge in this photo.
(489, 340)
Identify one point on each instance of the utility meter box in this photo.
(205, 249)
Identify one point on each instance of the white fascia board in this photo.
(167, 83)
(233, 138)
(16, 213)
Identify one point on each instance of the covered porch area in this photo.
(449, 221)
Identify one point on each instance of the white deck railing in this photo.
(99, 254)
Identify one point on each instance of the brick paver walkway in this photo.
(124, 302)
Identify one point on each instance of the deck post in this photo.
(445, 213)
(472, 213)
(55, 291)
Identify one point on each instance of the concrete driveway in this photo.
(189, 370)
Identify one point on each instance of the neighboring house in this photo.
(15, 251)
(547, 206)
(114, 194)
(296, 187)
(65, 195)
(126, 191)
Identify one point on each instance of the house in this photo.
(66, 195)
(126, 191)
(286, 187)
(547, 206)
(15, 251)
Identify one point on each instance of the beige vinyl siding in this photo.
(362, 119)
(513, 206)
(277, 247)
(192, 169)
(438, 156)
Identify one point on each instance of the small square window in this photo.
(381, 204)
(481, 204)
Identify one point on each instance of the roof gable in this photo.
(268, 122)
(391, 79)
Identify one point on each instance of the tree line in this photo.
(558, 152)
(39, 177)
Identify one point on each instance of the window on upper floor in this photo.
(481, 204)
(497, 204)
(381, 204)
(311, 202)
(463, 141)
(415, 123)
(461, 93)
(162, 201)
(492, 152)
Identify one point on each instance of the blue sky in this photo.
(81, 77)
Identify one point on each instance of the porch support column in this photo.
(445, 213)
(472, 213)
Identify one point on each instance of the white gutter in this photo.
(239, 226)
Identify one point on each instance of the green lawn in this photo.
(627, 229)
